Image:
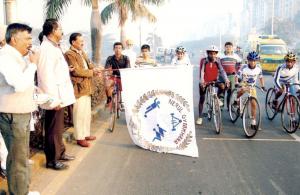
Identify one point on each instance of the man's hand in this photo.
(71, 68)
(34, 57)
(227, 83)
(202, 85)
(57, 108)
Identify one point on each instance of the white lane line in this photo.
(279, 190)
(253, 139)
(296, 137)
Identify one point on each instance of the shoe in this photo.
(67, 158)
(199, 121)
(221, 104)
(90, 138)
(122, 108)
(57, 166)
(253, 122)
(83, 143)
(33, 193)
(3, 173)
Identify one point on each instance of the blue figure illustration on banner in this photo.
(158, 134)
(154, 105)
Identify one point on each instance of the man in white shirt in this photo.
(130, 53)
(3, 149)
(16, 104)
(54, 80)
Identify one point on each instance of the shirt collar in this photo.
(53, 43)
(13, 51)
(76, 50)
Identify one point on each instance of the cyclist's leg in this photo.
(253, 107)
(231, 87)
(202, 91)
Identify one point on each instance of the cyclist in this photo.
(145, 59)
(181, 58)
(248, 74)
(230, 62)
(210, 69)
(287, 72)
(115, 62)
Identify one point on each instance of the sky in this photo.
(178, 20)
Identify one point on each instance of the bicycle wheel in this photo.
(113, 113)
(234, 107)
(270, 110)
(290, 114)
(216, 114)
(251, 117)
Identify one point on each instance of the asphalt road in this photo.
(228, 163)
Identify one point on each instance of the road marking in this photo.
(279, 190)
(296, 137)
(253, 139)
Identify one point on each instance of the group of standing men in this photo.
(64, 79)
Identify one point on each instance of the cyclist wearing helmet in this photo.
(230, 62)
(181, 58)
(287, 72)
(248, 74)
(210, 69)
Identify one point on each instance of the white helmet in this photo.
(212, 48)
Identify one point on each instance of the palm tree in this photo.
(55, 9)
(137, 9)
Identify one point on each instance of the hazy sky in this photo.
(178, 20)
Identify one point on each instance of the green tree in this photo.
(137, 9)
(55, 9)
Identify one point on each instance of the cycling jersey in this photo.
(184, 61)
(249, 75)
(230, 62)
(284, 74)
(209, 71)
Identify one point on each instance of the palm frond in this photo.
(153, 2)
(55, 8)
(108, 12)
(87, 3)
(143, 11)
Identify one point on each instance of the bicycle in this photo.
(243, 108)
(213, 106)
(288, 107)
(115, 103)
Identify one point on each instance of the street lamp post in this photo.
(273, 10)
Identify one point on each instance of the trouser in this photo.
(82, 117)
(202, 91)
(15, 131)
(54, 128)
(3, 152)
(222, 89)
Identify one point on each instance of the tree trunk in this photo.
(123, 34)
(10, 11)
(96, 33)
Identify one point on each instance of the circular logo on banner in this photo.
(160, 121)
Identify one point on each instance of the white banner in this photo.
(159, 108)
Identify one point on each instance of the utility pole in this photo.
(273, 10)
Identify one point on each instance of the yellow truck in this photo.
(272, 50)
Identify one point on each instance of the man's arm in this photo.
(14, 76)
(78, 71)
(277, 77)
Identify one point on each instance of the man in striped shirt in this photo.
(230, 62)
